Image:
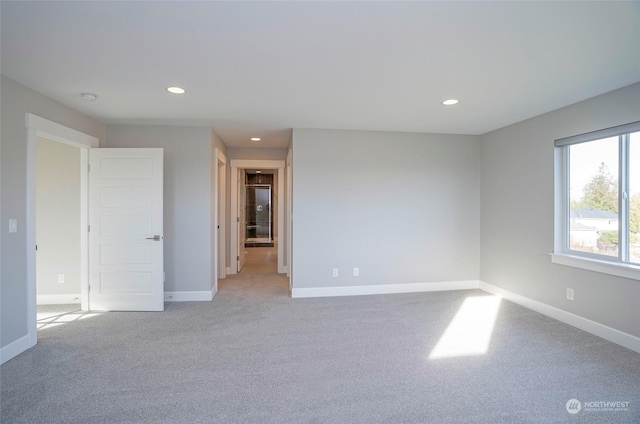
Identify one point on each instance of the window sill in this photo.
(617, 269)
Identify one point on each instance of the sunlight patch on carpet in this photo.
(469, 333)
(50, 320)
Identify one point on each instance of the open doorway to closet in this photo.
(58, 233)
(58, 206)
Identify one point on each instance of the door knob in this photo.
(155, 238)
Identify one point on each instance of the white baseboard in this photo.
(229, 270)
(58, 299)
(616, 336)
(383, 289)
(15, 348)
(188, 296)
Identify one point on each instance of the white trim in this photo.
(608, 333)
(616, 336)
(289, 215)
(15, 348)
(605, 267)
(40, 127)
(54, 131)
(221, 217)
(257, 163)
(384, 289)
(233, 219)
(237, 164)
(58, 299)
(84, 226)
(218, 220)
(189, 296)
(281, 211)
(562, 253)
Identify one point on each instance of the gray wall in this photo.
(517, 213)
(187, 198)
(57, 217)
(403, 207)
(17, 100)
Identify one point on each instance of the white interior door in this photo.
(126, 271)
(242, 218)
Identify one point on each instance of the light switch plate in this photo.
(13, 225)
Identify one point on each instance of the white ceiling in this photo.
(262, 68)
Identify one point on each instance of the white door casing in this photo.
(289, 216)
(220, 214)
(126, 230)
(238, 166)
(242, 218)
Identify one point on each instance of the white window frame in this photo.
(562, 254)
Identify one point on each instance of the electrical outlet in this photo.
(356, 272)
(569, 293)
(335, 272)
(61, 278)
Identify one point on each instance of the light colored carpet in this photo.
(254, 355)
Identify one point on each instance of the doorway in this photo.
(219, 224)
(259, 211)
(58, 246)
(239, 239)
(58, 235)
(261, 254)
(40, 127)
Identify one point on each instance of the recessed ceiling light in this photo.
(258, 172)
(90, 97)
(450, 102)
(255, 138)
(176, 90)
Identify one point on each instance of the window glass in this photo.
(593, 197)
(634, 197)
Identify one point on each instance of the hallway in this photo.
(260, 260)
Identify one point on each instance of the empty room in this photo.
(319, 212)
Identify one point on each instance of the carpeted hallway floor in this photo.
(254, 355)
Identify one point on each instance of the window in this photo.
(598, 197)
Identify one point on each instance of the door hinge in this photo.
(238, 219)
(89, 167)
(88, 228)
(237, 258)
(36, 247)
